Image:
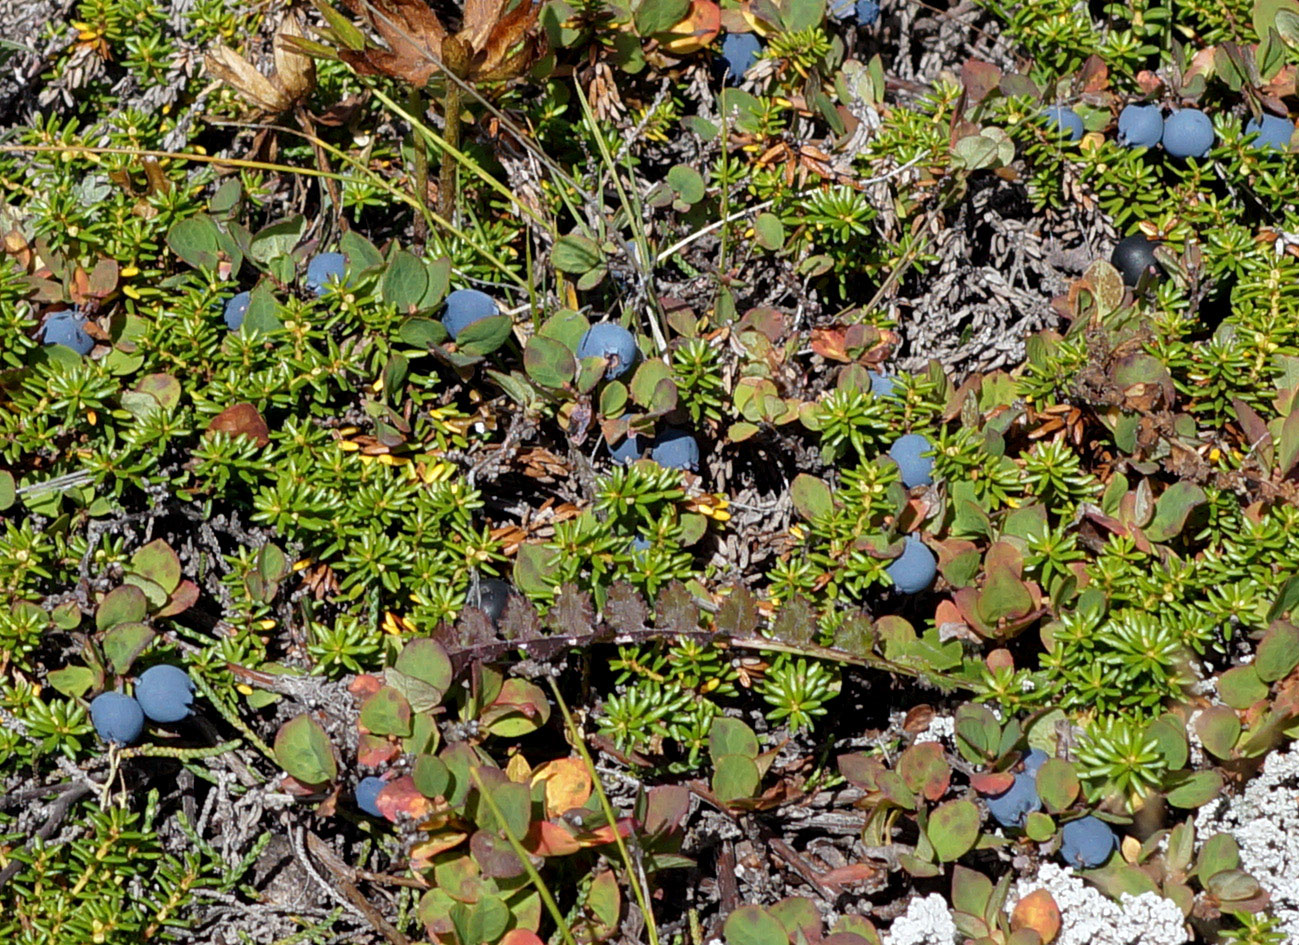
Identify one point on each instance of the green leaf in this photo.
(73, 681)
(277, 239)
(1194, 790)
(1172, 509)
(687, 182)
(658, 16)
(159, 563)
(812, 498)
(484, 921)
(1219, 729)
(8, 491)
(753, 925)
(303, 750)
(1057, 785)
(1240, 687)
(485, 336)
(770, 231)
(548, 362)
(576, 253)
(262, 311)
(728, 736)
(124, 643)
(1278, 652)
(735, 777)
(431, 776)
(427, 661)
(125, 604)
(386, 712)
(195, 240)
(404, 282)
(953, 829)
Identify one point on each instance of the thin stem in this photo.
(419, 150)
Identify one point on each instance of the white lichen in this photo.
(1264, 819)
(1087, 917)
(941, 729)
(927, 921)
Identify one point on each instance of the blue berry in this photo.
(908, 452)
(1272, 131)
(676, 449)
(1065, 120)
(739, 50)
(868, 11)
(324, 270)
(1087, 842)
(492, 595)
(1133, 257)
(367, 795)
(464, 307)
(117, 717)
(1140, 126)
(1012, 808)
(165, 693)
(1034, 758)
(640, 544)
(629, 448)
(65, 328)
(236, 309)
(913, 571)
(881, 384)
(613, 343)
(1188, 133)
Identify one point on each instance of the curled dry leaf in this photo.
(291, 82)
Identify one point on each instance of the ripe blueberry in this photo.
(1034, 758)
(1188, 133)
(165, 693)
(1140, 126)
(65, 328)
(739, 50)
(868, 11)
(492, 595)
(1087, 842)
(324, 269)
(676, 449)
(913, 571)
(629, 448)
(1133, 257)
(612, 342)
(1065, 120)
(1272, 131)
(881, 384)
(236, 309)
(908, 452)
(464, 307)
(117, 717)
(1012, 808)
(367, 795)
(639, 544)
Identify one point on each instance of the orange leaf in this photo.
(1037, 911)
(413, 35)
(568, 784)
(549, 839)
(399, 798)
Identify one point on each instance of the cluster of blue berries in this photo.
(163, 694)
(1184, 132)
(325, 272)
(1085, 843)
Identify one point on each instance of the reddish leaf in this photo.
(241, 420)
(400, 798)
(992, 783)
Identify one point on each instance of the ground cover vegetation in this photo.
(654, 472)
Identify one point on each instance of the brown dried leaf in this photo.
(226, 65)
(295, 71)
(412, 32)
(241, 420)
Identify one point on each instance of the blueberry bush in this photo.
(650, 471)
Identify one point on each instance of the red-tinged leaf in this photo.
(850, 875)
(605, 834)
(979, 78)
(568, 784)
(423, 853)
(182, 599)
(375, 750)
(520, 937)
(550, 839)
(241, 420)
(364, 685)
(830, 343)
(399, 798)
(992, 783)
